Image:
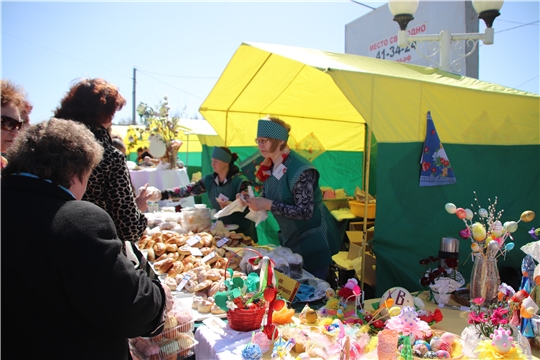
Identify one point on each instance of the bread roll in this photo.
(175, 269)
(203, 285)
(171, 248)
(151, 255)
(159, 248)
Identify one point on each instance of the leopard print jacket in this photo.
(109, 187)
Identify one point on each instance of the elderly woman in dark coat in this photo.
(69, 290)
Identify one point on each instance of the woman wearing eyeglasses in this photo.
(291, 192)
(222, 186)
(13, 100)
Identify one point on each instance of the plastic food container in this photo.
(357, 208)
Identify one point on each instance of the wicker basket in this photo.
(245, 319)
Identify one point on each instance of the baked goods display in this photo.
(193, 262)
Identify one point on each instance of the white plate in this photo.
(231, 227)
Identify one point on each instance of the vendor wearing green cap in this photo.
(291, 192)
(222, 187)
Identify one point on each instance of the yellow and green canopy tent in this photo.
(491, 134)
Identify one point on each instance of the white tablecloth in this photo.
(163, 179)
(213, 346)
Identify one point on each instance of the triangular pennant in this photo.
(435, 165)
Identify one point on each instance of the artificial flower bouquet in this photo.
(441, 281)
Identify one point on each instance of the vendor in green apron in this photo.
(221, 188)
(291, 192)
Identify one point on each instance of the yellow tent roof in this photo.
(332, 96)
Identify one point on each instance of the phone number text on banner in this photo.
(388, 48)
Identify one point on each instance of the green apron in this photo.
(316, 239)
(230, 189)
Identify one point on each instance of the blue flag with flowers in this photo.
(436, 169)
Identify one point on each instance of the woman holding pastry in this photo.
(222, 187)
(77, 295)
(291, 192)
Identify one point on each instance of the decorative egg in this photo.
(497, 229)
(461, 213)
(478, 231)
(475, 247)
(511, 226)
(448, 338)
(493, 245)
(501, 340)
(400, 296)
(509, 246)
(430, 355)
(423, 342)
(482, 213)
(450, 208)
(442, 354)
(394, 311)
(445, 346)
(435, 343)
(527, 216)
(420, 348)
(311, 316)
(252, 352)
(468, 214)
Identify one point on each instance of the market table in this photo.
(162, 179)
(229, 345)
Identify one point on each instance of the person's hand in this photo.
(146, 194)
(223, 204)
(258, 203)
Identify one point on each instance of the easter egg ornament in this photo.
(450, 208)
(468, 214)
(511, 226)
(527, 216)
(461, 213)
(482, 213)
(478, 231)
(497, 229)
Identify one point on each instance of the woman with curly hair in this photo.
(91, 299)
(94, 102)
(13, 103)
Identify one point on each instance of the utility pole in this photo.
(133, 121)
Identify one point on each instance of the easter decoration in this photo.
(245, 302)
(488, 242)
(441, 281)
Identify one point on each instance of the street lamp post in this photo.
(403, 11)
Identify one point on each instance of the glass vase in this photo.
(485, 279)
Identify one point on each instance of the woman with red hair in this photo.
(94, 102)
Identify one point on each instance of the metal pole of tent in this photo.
(367, 156)
(187, 150)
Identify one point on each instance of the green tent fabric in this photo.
(491, 133)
